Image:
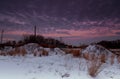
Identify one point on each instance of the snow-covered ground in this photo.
(53, 66)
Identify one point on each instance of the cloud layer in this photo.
(76, 20)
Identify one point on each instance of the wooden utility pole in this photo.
(2, 36)
(35, 31)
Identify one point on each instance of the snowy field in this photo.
(54, 66)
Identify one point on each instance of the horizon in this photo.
(76, 21)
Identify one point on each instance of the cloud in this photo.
(11, 19)
(74, 19)
(17, 32)
(117, 33)
(62, 32)
(25, 19)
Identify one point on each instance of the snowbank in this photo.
(96, 49)
(57, 65)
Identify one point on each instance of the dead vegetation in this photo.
(112, 59)
(118, 59)
(45, 53)
(67, 51)
(15, 52)
(94, 67)
(103, 58)
(2, 53)
(41, 52)
(74, 52)
(86, 56)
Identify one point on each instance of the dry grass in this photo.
(112, 59)
(35, 53)
(2, 53)
(17, 51)
(67, 51)
(118, 59)
(44, 53)
(86, 56)
(12, 53)
(76, 53)
(103, 58)
(23, 52)
(92, 56)
(20, 51)
(94, 63)
(40, 53)
(94, 67)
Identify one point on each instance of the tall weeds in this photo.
(94, 67)
(112, 59)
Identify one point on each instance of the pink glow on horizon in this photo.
(96, 32)
(17, 32)
(8, 39)
(72, 34)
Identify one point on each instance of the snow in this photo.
(57, 65)
(97, 49)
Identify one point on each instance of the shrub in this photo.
(16, 51)
(67, 51)
(44, 53)
(10, 53)
(2, 53)
(86, 56)
(118, 59)
(103, 58)
(23, 52)
(76, 53)
(35, 54)
(112, 59)
(94, 67)
(40, 53)
(92, 56)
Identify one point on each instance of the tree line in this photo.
(110, 44)
(41, 40)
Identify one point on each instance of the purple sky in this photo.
(77, 21)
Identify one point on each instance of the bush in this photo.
(118, 59)
(92, 56)
(112, 59)
(23, 52)
(10, 53)
(67, 51)
(34, 53)
(94, 67)
(2, 53)
(17, 51)
(76, 53)
(86, 56)
(40, 53)
(103, 58)
(44, 53)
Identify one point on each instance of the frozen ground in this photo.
(54, 66)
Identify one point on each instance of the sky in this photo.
(76, 21)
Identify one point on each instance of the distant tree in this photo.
(110, 44)
(33, 39)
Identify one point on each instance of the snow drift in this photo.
(96, 49)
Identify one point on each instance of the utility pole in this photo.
(2, 36)
(35, 31)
